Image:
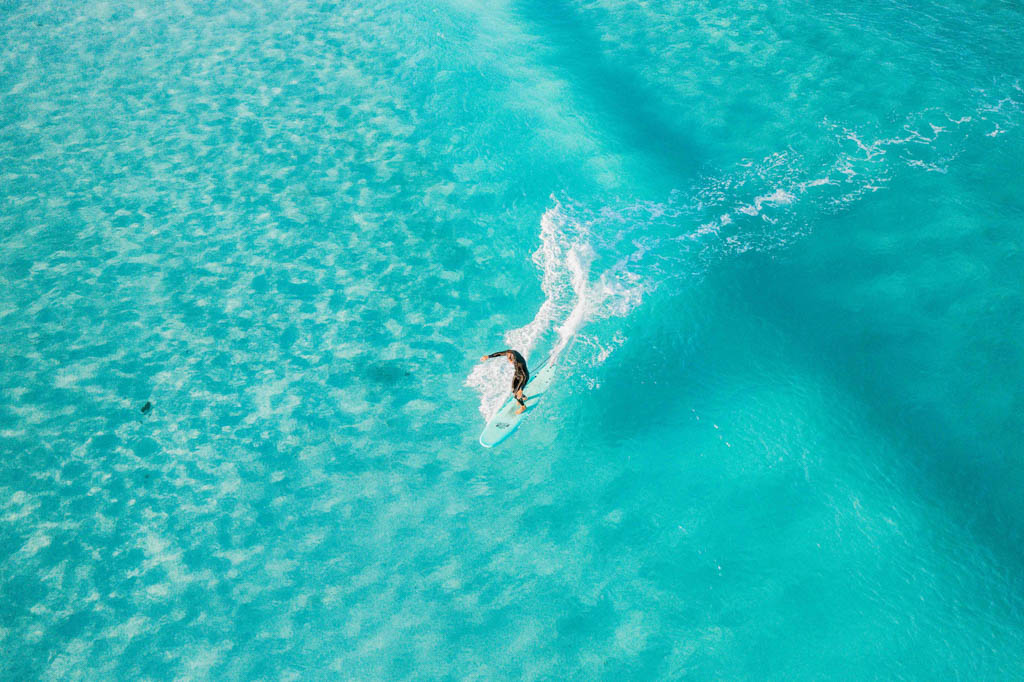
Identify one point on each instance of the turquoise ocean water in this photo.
(782, 245)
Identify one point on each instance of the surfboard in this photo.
(505, 421)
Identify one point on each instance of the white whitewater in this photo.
(564, 258)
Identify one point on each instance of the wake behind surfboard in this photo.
(505, 421)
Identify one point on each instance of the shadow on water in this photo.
(634, 114)
(927, 351)
(936, 381)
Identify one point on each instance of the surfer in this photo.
(519, 379)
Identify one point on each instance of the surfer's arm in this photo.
(494, 355)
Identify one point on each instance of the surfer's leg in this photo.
(517, 393)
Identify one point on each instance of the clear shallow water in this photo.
(783, 249)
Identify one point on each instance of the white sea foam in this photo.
(564, 258)
(778, 198)
(758, 206)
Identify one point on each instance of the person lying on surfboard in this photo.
(519, 379)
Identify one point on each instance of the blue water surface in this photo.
(781, 246)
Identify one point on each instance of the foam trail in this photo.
(578, 262)
(757, 206)
(565, 257)
(493, 379)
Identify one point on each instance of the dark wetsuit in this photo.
(521, 376)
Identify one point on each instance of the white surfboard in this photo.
(505, 420)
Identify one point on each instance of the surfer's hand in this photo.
(483, 358)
